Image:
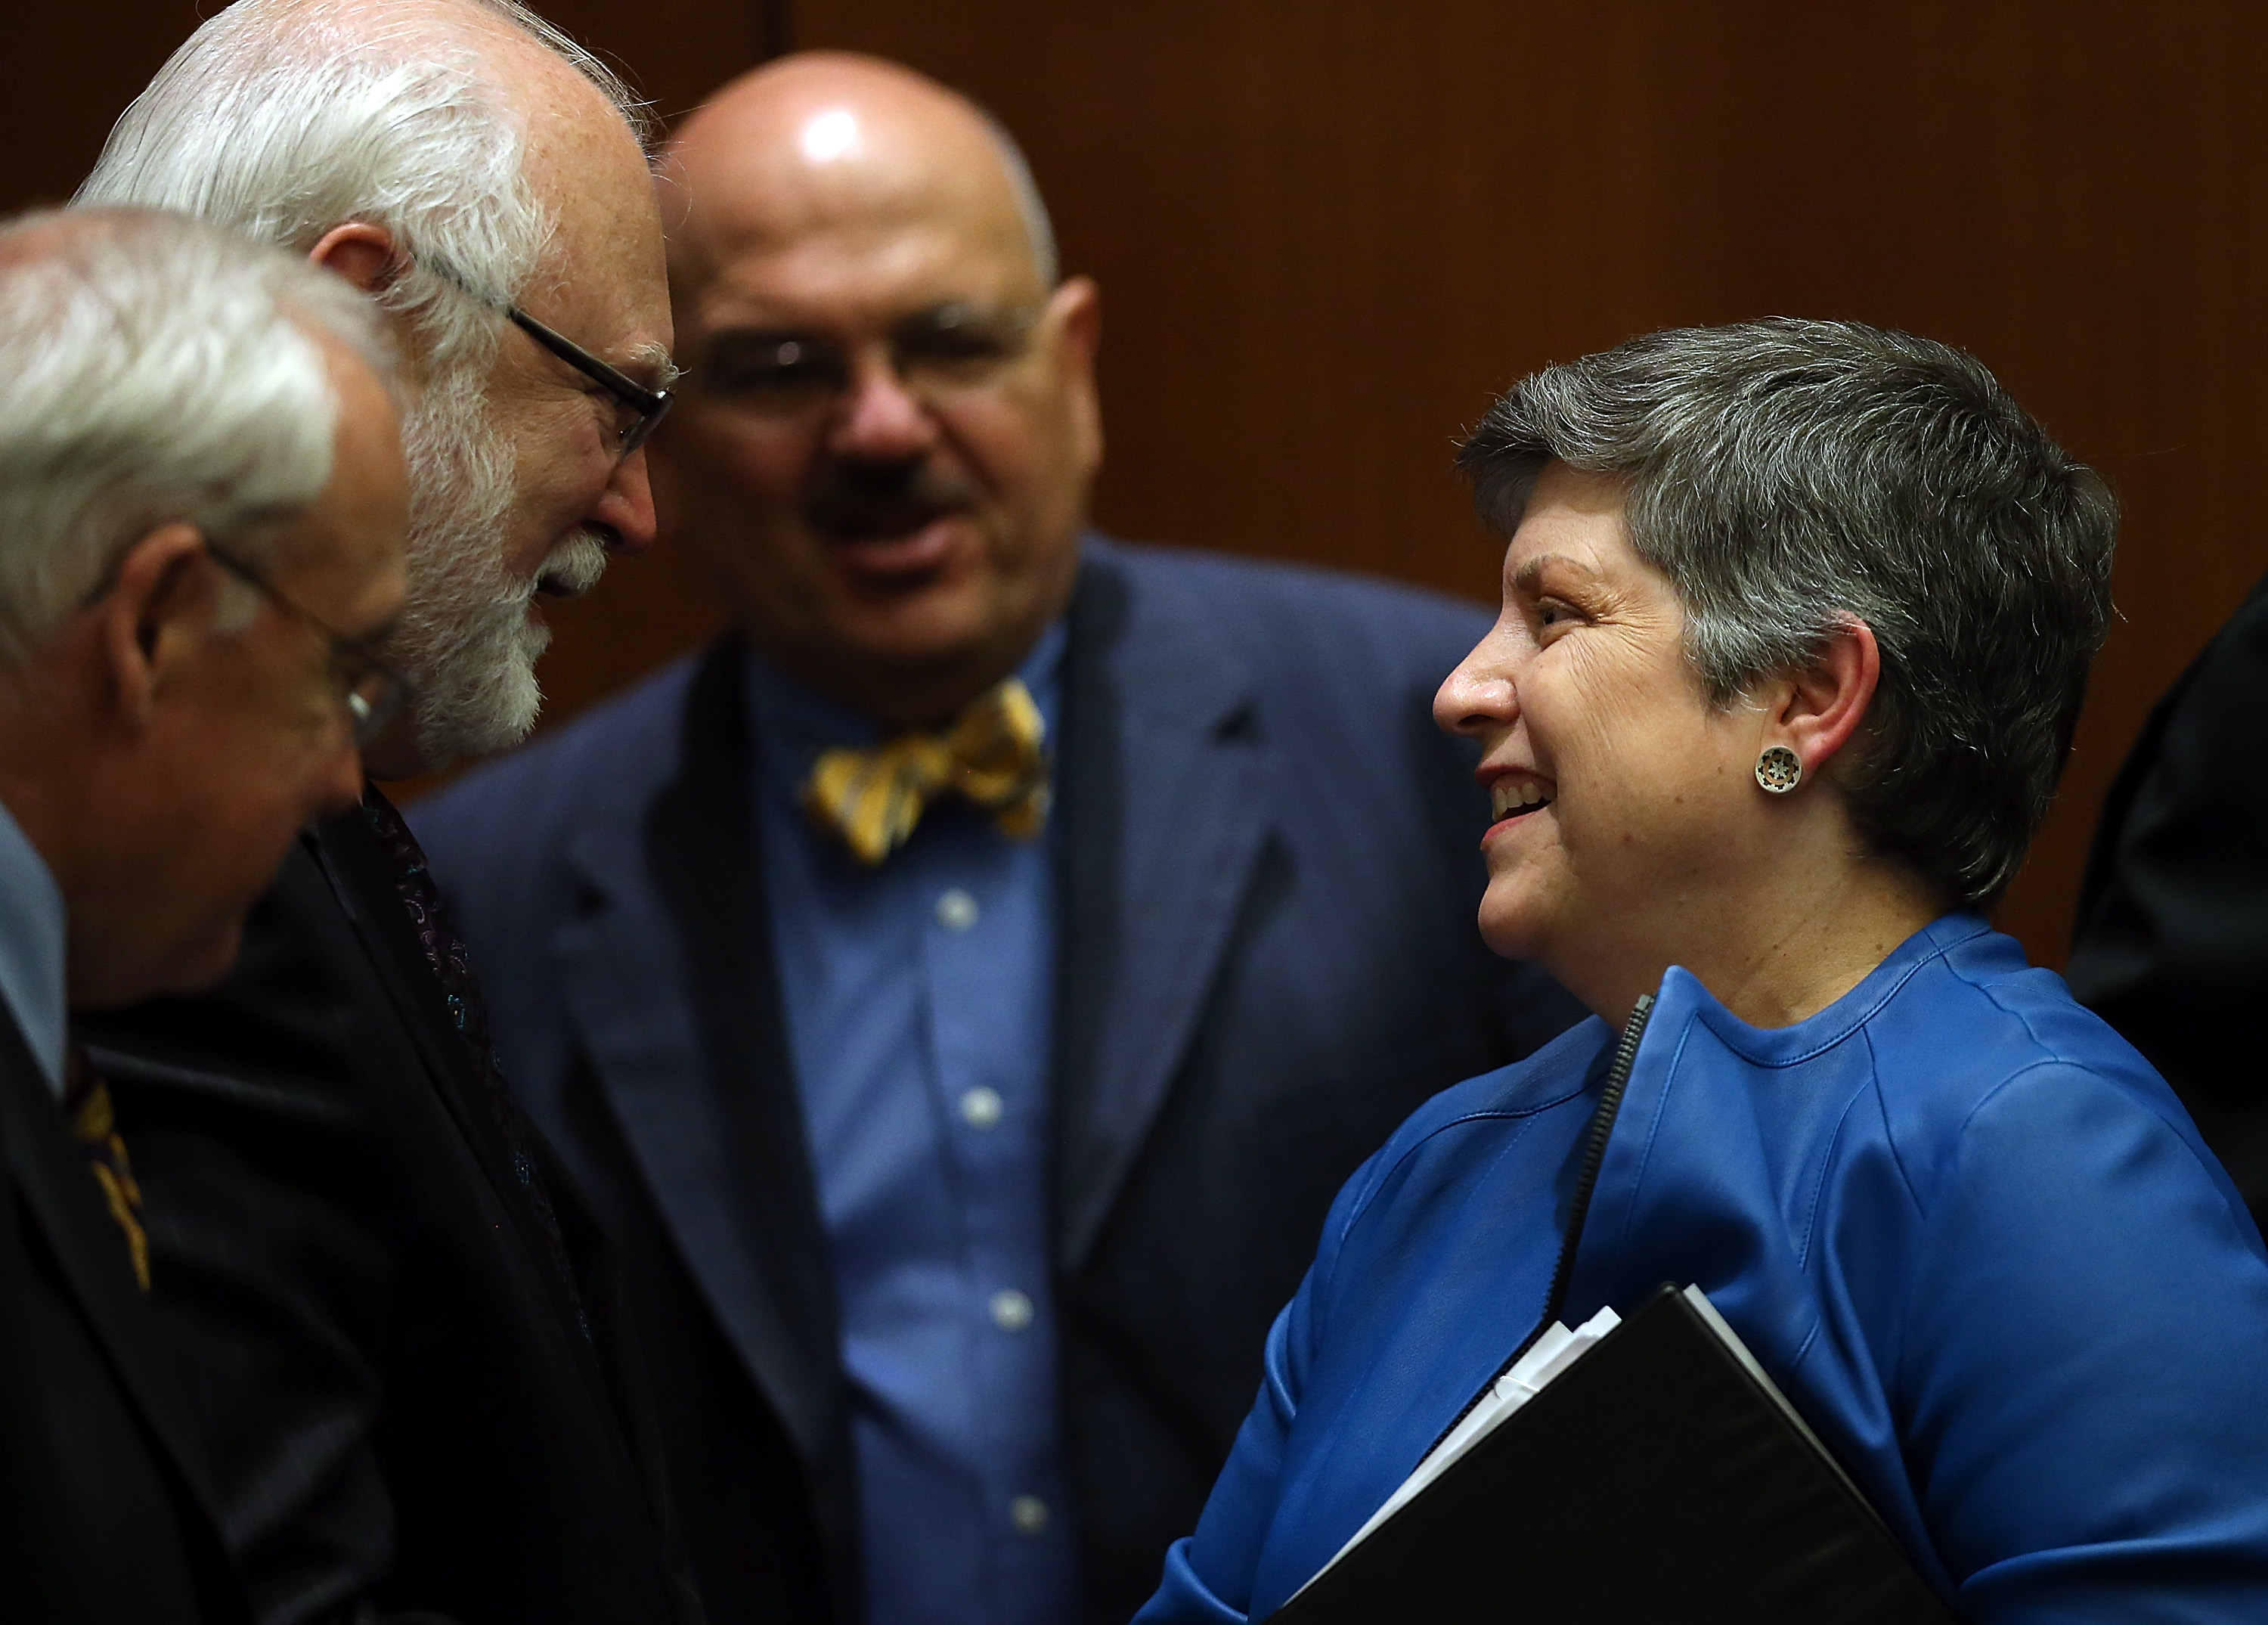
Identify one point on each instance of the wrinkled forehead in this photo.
(586, 164)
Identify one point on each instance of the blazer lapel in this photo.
(361, 877)
(1161, 785)
(667, 967)
(62, 1198)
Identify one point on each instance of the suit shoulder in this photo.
(1545, 1079)
(294, 1010)
(1308, 601)
(623, 745)
(1980, 1030)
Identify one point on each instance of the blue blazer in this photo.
(1268, 874)
(1962, 1224)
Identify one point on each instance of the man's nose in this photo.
(879, 419)
(624, 510)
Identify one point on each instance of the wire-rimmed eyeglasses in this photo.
(373, 692)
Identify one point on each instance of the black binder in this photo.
(1658, 1478)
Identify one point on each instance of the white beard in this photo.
(465, 636)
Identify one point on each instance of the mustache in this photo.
(857, 500)
(574, 566)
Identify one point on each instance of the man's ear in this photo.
(1078, 305)
(1078, 302)
(1816, 711)
(364, 255)
(156, 611)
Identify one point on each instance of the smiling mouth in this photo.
(1510, 798)
(882, 523)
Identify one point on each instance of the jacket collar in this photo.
(59, 1197)
(1164, 816)
(359, 873)
(666, 963)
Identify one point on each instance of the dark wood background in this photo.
(1327, 230)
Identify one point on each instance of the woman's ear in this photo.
(1821, 707)
(156, 612)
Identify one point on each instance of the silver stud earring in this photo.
(1779, 769)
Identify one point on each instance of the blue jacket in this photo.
(1964, 1226)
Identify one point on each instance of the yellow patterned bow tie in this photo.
(993, 754)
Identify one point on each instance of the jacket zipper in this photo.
(1594, 1154)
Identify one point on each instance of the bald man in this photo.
(410, 1366)
(966, 984)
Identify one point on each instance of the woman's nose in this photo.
(1479, 697)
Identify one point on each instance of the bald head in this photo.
(891, 427)
(832, 142)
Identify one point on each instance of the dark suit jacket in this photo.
(2172, 944)
(103, 1506)
(400, 1402)
(1269, 872)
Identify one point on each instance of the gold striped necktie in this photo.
(994, 755)
(86, 1104)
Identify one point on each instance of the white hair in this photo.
(159, 371)
(287, 118)
(284, 119)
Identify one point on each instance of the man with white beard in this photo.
(406, 1347)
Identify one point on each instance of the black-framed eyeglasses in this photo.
(648, 406)
(375, 691)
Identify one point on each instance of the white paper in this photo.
(1553, 1351)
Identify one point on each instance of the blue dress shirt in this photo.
(920, 1014)
(33, 932)
(1964, 1226)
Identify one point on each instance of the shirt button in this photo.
(1012, 1311)
(982, 1108)
(956, 910)
(1028, 1513)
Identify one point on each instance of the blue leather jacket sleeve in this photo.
(2085, 1445)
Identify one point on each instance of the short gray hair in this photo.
(284, 119)
(159, 371)
(1789, 477)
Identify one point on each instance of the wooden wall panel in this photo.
(73, 68)
(1328, 229)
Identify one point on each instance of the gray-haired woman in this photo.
(1797, 618)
